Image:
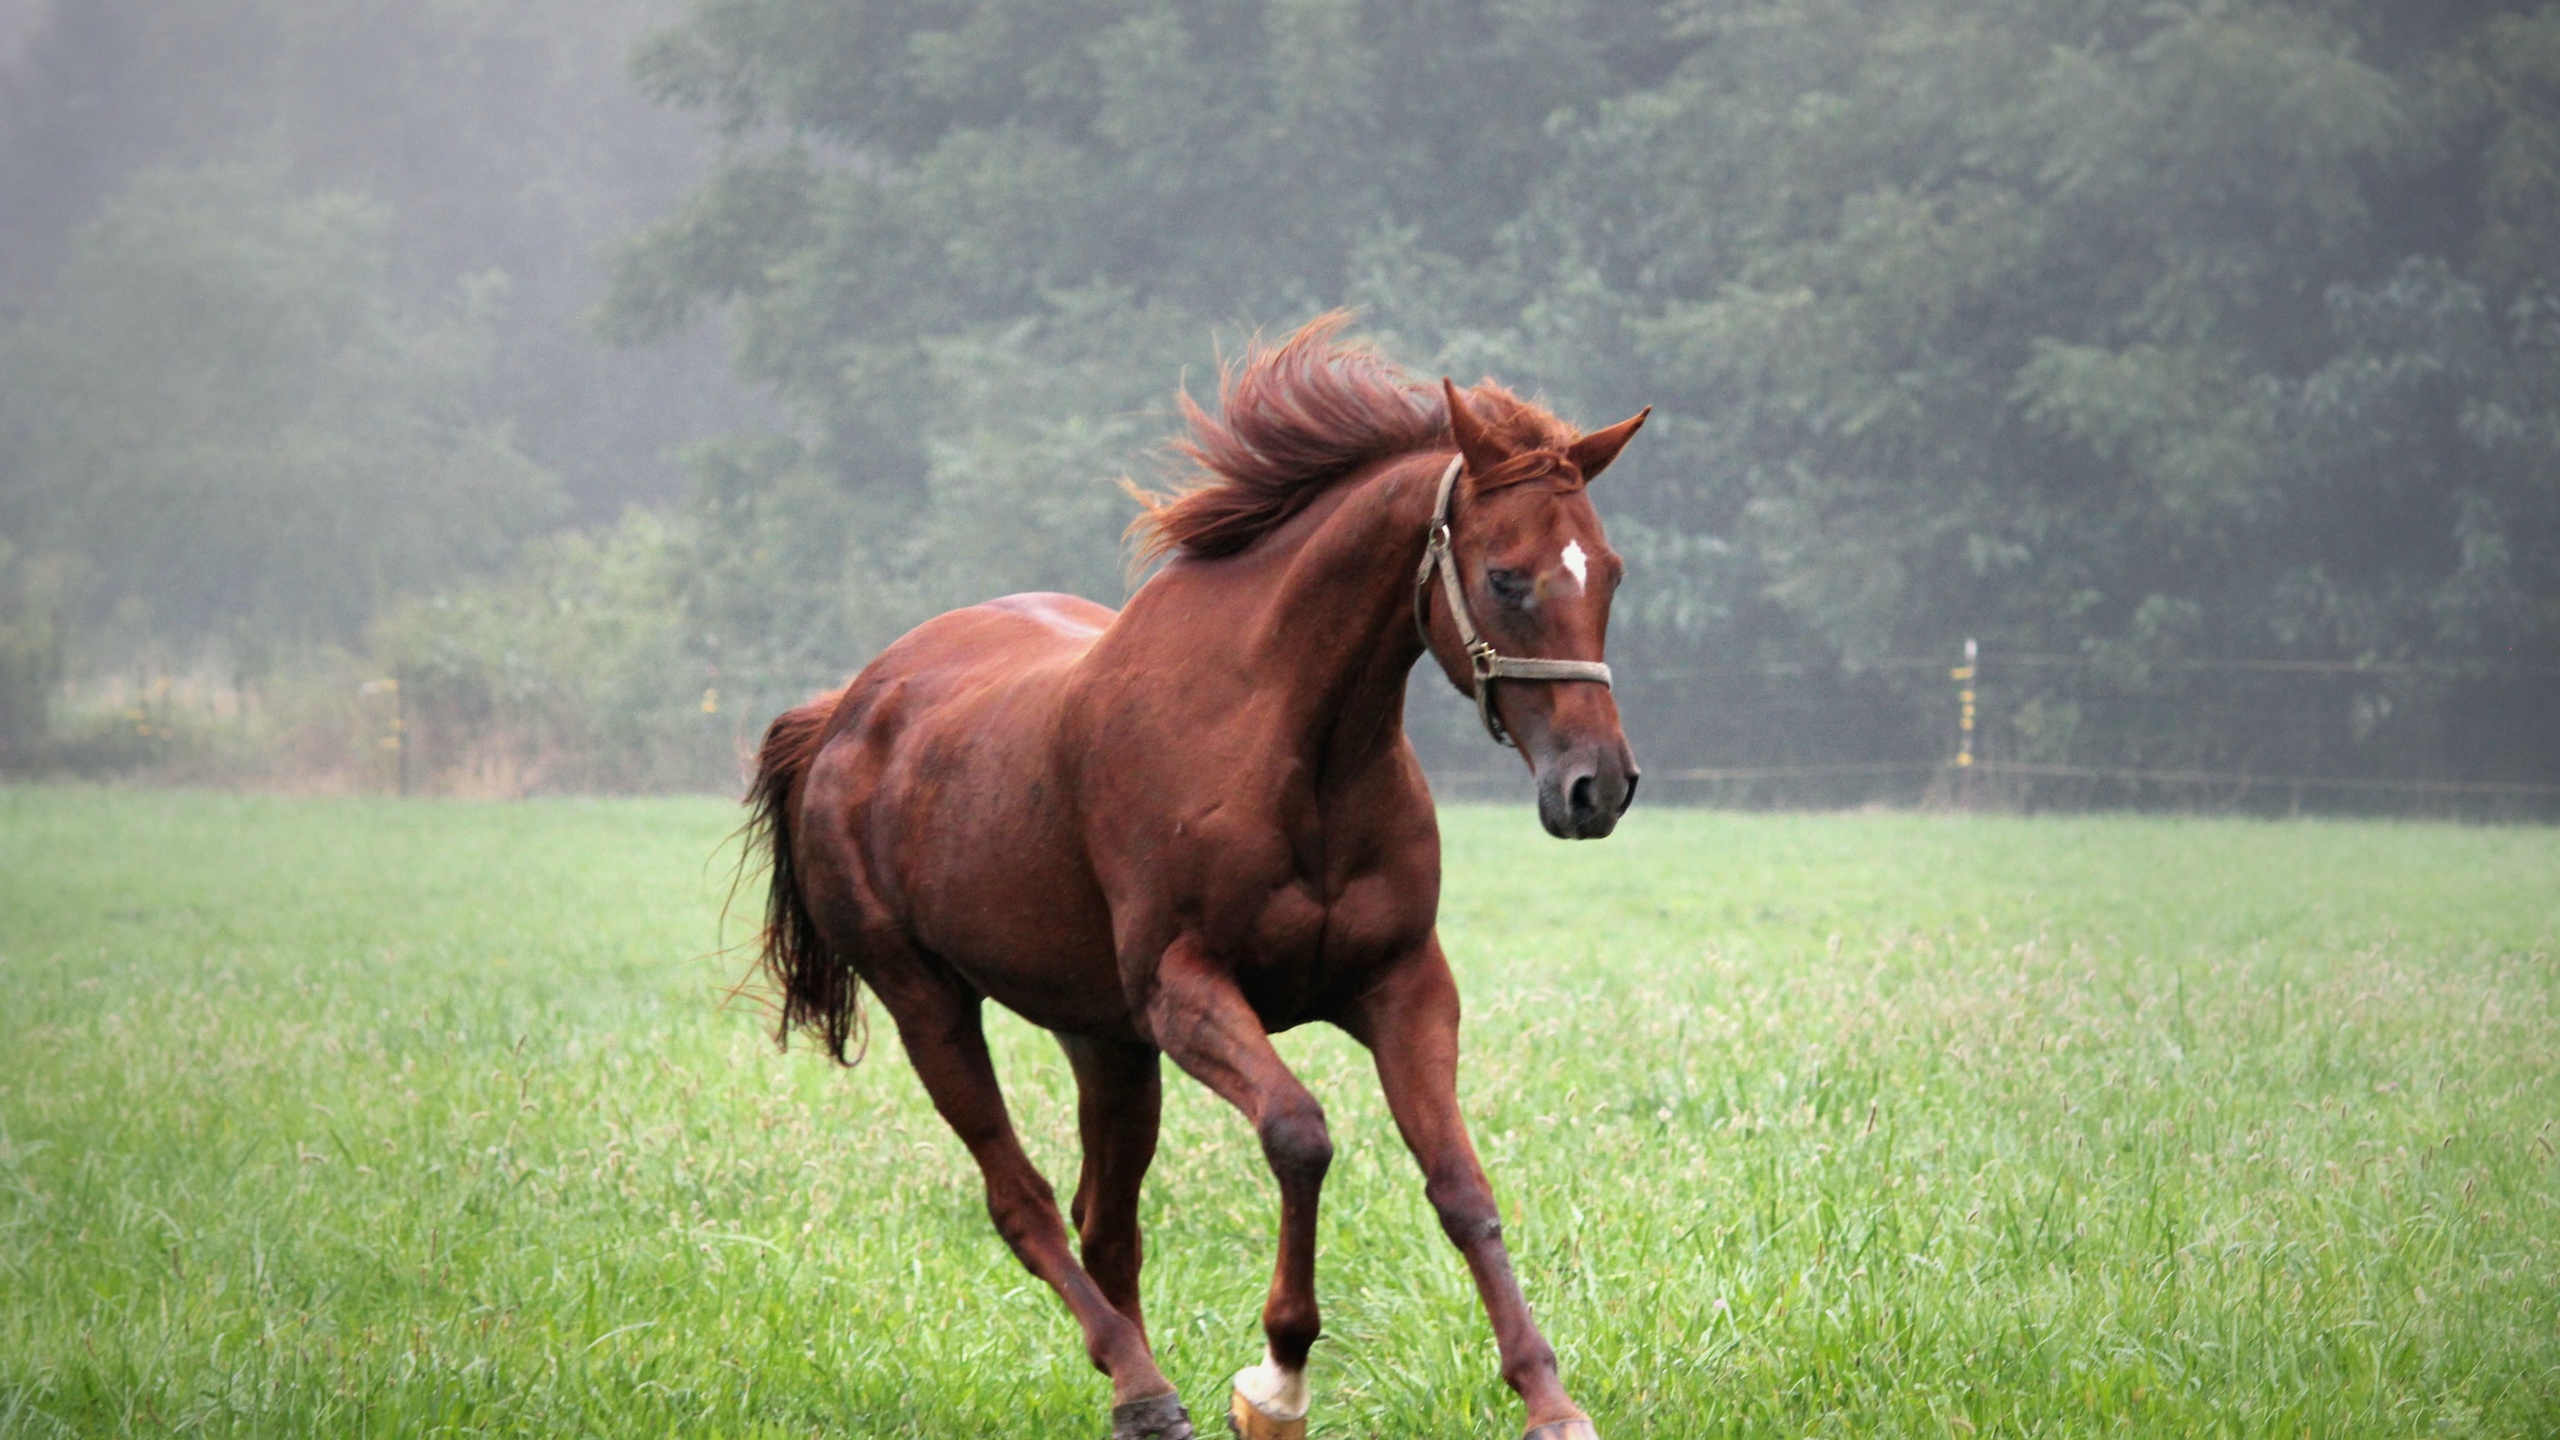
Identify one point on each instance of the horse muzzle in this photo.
(1582, 794)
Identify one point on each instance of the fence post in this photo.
(1963, 676)
(400, 726)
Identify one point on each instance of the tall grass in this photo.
(359, 1117)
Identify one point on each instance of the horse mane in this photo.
(1297, 418)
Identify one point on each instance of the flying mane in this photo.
(1297, 418)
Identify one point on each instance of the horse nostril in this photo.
(1583, 809)
(1630, 797)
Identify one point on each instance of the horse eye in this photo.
(1511, 587)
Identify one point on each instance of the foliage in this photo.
(30, 650)
(571, 671)
(292, 325)
(340, 1115)
(2086, 328)
(2132, 333)
(225, 413)
(797, 571)
(2137, 338)
(495, 135)
(989, 236)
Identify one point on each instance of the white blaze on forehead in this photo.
(1578, 563)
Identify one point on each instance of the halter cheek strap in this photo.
(1487, 664)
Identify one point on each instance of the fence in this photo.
(1943, 731)
(1962, 746)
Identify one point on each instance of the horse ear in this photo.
(1473, 441)
(1592, 453)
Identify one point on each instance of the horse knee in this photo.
(1291, 1325)
(1295, 1140)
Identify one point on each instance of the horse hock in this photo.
(1269, 1403)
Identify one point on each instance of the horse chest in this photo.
(1289, 930)
(1307, 947)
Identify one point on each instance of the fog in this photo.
(508, 396)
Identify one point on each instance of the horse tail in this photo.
(820, 991)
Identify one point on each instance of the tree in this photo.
(971, 246)
(2139, 334)
(2136, 334)
(497, 135)
(31, 599)
(228, 412)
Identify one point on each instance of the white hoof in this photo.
(1270, 1402)
(1575, 1429)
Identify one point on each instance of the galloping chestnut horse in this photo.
(1178, 828)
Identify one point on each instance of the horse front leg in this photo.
(1199, 1017)
(1409, 1021)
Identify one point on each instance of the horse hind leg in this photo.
(938, 1022)
(1119, 1106)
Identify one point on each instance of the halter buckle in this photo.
(1482, 659)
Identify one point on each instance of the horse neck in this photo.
(1338, 631)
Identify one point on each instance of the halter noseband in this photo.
(1488, 664)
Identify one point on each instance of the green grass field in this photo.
(349, 1117)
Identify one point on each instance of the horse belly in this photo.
(996, 884)
(959, 821)
(1028, 929)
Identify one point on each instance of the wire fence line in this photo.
(1793, 772)
(2278, 782)
(1978, 745)
(2441, 669)
(2236, 779)
(1957, 747)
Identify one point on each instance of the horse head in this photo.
(1536, 575)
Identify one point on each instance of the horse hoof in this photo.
(1576, 1428)
(1247, 1420)
(1157, 1417)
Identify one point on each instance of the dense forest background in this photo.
(527, 394)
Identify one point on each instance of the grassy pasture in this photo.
(350, 1117)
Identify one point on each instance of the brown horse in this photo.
(1176, 829)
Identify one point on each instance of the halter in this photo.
(1488, 664)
